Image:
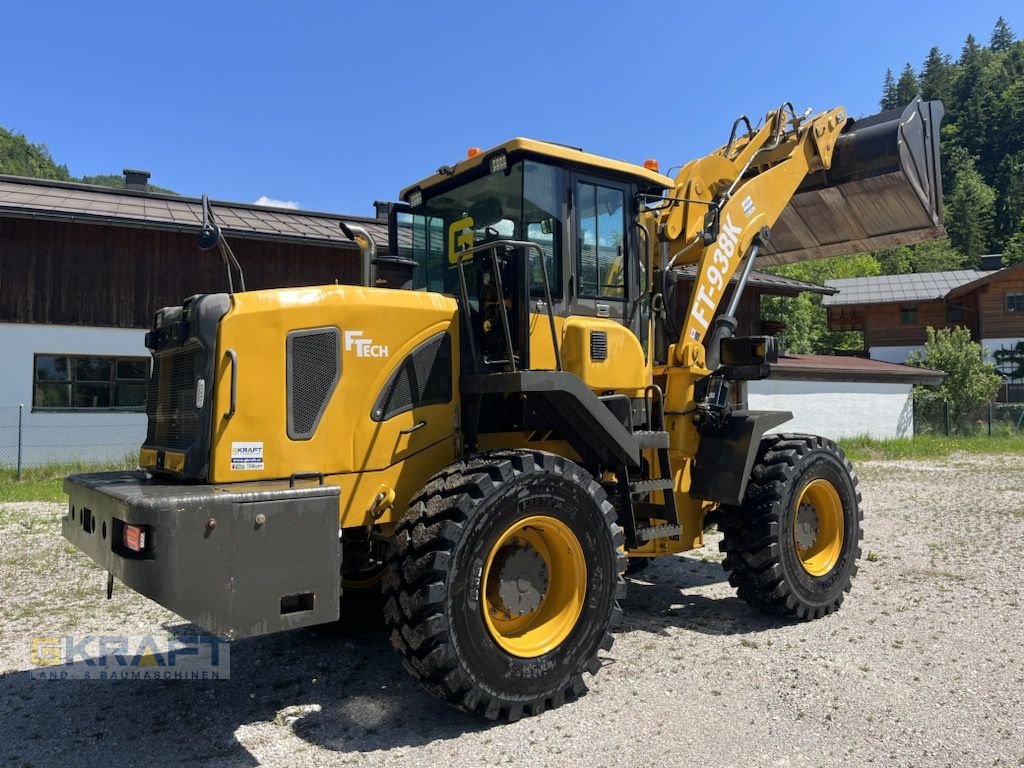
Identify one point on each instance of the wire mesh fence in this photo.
(35, 438)
(992, 419)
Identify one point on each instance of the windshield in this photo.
(522, 203)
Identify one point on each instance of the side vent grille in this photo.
(314, 367)
(598, 345)
(423, 378)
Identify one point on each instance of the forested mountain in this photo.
(982, 177)
(20, 157)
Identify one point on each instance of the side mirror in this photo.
(711, 225)
(209, 233)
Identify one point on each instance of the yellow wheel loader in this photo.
(522, 400)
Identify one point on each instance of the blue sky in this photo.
(334, 105)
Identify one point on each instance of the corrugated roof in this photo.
(889, 289)
(64, 201)
(765, 280)
(850, 368)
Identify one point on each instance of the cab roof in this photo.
(544, 150)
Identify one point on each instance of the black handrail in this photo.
(506, 327)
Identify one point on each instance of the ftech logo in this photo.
(364, 347)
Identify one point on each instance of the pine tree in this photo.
(1002, 36)
(906, 87)
(889, 100)
(936, 80)
(970, 210)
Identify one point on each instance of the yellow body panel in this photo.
(347, 440)
(625, 369)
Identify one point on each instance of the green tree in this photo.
(19, 157)
(804, 317)
(1013, 249)
(936, 80)
(889, 99)
(1002, 36)
(931, 256)
(1009, 197)
(970, 210)
(970, 382)
(906, 86)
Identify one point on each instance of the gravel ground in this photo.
(923, 666)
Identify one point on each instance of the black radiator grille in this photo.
(314, 366)
(598, 345)
(173, 418)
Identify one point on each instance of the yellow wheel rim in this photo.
(534, 585)
(818, 527)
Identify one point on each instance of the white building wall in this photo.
(893, 354)
(837, 409)
(63, 436)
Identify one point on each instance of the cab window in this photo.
(600, 241)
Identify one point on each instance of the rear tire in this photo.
(792, 547)
(503, 583)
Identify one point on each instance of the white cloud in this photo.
(271, 202)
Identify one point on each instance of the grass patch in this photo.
(929, 446)
(46, 482)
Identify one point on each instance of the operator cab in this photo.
(578, 210)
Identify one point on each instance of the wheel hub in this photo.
(522, 580)
(806, 533)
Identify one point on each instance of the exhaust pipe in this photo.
(367, 250)
(884, 190)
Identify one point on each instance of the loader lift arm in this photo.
(726, 203)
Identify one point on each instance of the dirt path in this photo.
(923, 666)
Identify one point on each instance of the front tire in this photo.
(504, 581)
(792, 547)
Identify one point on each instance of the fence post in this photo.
(990, 419)
(21, 408)
(945, 416)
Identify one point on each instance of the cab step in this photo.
(648, 486)
(658, 532)
(647, 439)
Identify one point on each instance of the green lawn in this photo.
(44, 483)
(929, 446)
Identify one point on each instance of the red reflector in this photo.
(134, 538)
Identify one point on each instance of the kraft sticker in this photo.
(247, 455)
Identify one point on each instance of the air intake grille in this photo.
(598, 345)
(171, 413)
(314, 367)
(424, 377)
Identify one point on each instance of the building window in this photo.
(954, 314)
(1015, 302)
(908, 314)
(94, 383)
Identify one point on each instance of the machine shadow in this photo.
(664, 595)
(342, 693)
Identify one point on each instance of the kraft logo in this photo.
(364, 347)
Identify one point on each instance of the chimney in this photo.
(137, 181)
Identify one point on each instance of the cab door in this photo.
(601, 272)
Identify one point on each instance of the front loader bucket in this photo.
(883, 190)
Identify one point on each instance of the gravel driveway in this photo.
(923, 666)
